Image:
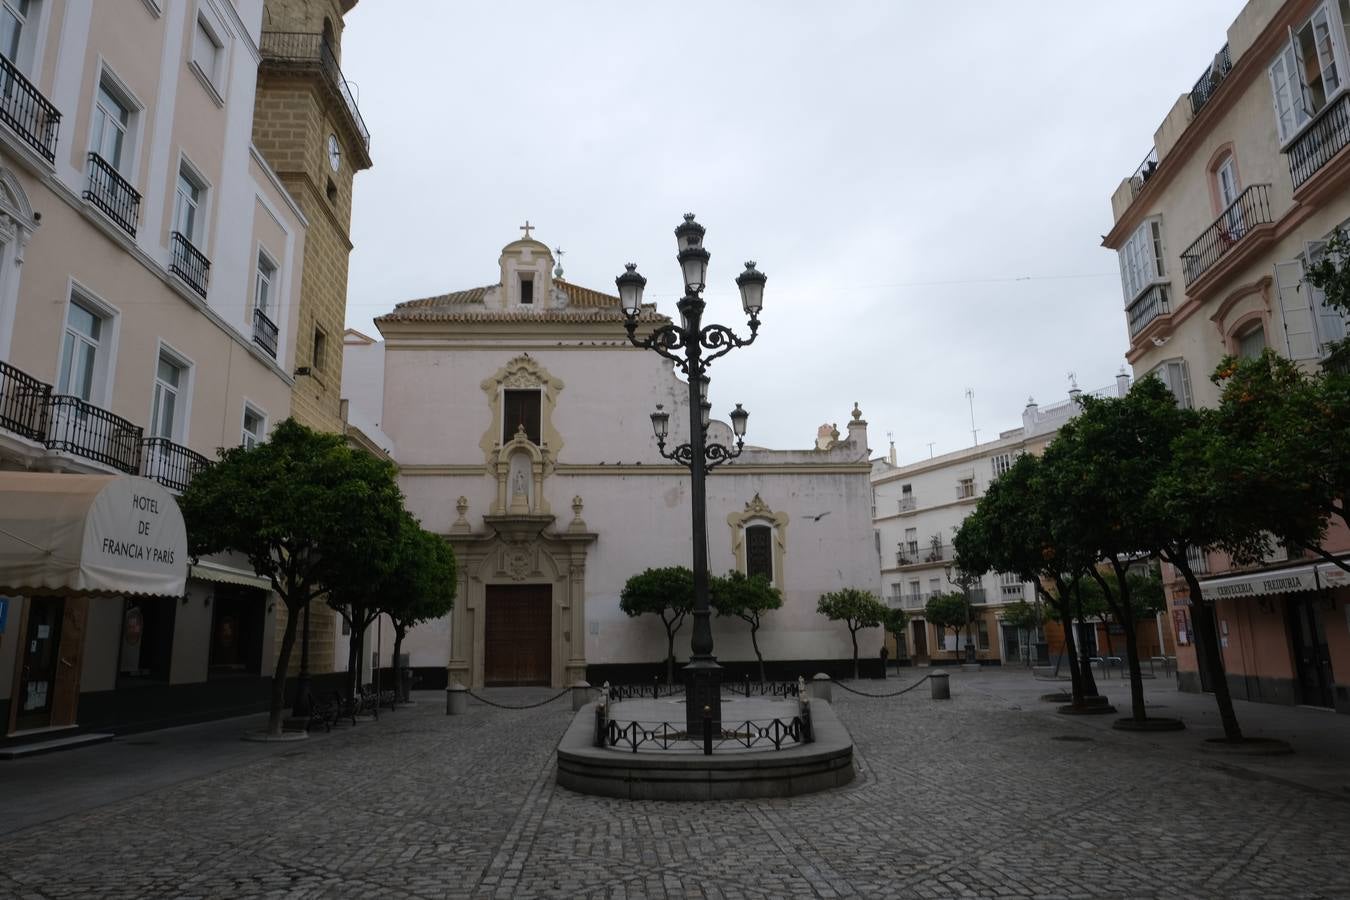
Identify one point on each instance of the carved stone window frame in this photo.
(522, 372)
(757, 512)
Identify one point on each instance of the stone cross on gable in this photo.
(526, 228)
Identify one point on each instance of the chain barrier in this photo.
(565, 690)
(840, 684)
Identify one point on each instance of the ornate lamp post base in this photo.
(703, 694)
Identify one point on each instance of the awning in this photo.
(1255, 584)
(1333, 576)
(207, 570)
(90, 534)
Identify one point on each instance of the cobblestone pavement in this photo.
(989, 795)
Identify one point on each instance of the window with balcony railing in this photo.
(1209, 81)
(189, 263)
(23, 403)
(24, 109)
(113, 194)
(1251, 208)
(1154, 302)
(80, 428)
(1141, 259)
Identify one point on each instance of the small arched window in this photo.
(1250, 341)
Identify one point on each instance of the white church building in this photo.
(519, 416)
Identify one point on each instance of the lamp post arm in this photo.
(665, 341)
(720, 340)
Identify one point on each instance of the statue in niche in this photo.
(519, 482)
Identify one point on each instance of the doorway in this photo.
(1312, 659)
(920, 631)
(1012, 644)
(38, 669)
(518, 635)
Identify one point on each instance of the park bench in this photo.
(325, 713)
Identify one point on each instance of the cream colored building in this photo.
(150, 266)
(917, 509)
(1246, 177)
(518, 413)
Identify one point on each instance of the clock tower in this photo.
(308, 127)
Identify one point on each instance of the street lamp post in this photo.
(693, 346)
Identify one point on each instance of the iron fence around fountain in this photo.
(747, 735)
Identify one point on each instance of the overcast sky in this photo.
(924, 184)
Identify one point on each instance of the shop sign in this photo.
(134, 532)
(1256, 585)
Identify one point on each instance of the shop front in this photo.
(92, 568)
(1284, 634)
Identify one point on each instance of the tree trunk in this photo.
(1070, 646)
(353, 662)
(398, 645)
(1089, 680)
(1209, 652)
(853, 633)
(670, 657)
(1126, 616)
(754, 642)
(283, 662)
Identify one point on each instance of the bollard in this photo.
(456, 699)
(707, 731)
(821, 687)
(581, 695)
(939, 686)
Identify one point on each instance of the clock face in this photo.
(334, 152)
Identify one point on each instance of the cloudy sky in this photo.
(924, 184)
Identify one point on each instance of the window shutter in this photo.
(1299, 330)
(1330, 322)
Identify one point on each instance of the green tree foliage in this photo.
(1280, 455)
(950, 610)
(421, 582)
(895, 622)
(748, 599)
(1105, 463)
(297, 505)
(857, 609)
(667, 593)
(1012, 530)
(1022, 615)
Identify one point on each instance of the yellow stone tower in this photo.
(307, 126)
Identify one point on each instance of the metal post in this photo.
(707, 731)
(379, 647)
(703, 676)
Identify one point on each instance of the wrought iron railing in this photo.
(172, 465)
(747, 735)
(23, 403)
(907, 503)
(1251, 208)
(265, 332)
(1209, 82)
(1154, 302)
(308, 48)
(31, 115)
(113, 194)
(81, 428)
(913, 555)
(1144, 172)
(1328, 135)
(189, 263)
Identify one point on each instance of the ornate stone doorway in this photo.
(517, 634)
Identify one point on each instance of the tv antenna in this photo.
(974, 432)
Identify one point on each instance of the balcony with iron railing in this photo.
(189, 263)
(113, 194)
(265, 332)
(307, 49)
(1209, 82)
(23, 403)
(24, 109)
(1327, 135)
(914, 554)
(1250, 209)
(1144, 172)
(1153, 302)
(80, 428)
(172, 465)
(907, 503)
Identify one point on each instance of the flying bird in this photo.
(819, 517)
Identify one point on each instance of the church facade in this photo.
(518, 414)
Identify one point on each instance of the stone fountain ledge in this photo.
(730, 775)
